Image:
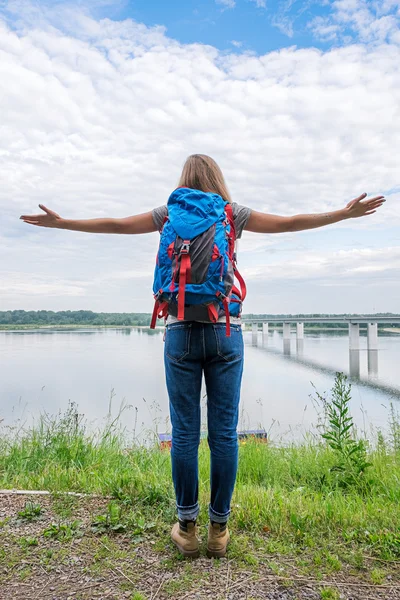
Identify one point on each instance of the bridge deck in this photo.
(344, 320)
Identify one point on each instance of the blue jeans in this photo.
(190, 349)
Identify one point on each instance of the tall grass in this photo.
(296, 494)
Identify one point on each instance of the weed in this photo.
(394, 424)
(110, 521)
(63, 531)
(333, 562)
(24, 573)
(31, 511)
(329, 594)
(377, 576)
(26, 542)
(339, 433)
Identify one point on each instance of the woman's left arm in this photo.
(268, 223)
(142, 223)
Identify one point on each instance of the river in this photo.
(104, 370)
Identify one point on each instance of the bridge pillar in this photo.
(265, 328)
(286, 331)
(354, 336)
(372, 336)
(300, 331)
(254, 328)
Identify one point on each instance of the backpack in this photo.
(196, 261)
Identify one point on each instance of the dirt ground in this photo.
(73, 562)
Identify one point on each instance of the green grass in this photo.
(287, 501)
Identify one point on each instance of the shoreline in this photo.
(74, 326)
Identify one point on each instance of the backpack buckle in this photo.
(185, 247)
(222, 296)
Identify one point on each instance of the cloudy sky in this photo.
(101, 102)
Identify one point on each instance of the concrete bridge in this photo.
(353, 323)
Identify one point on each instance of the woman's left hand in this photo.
(356, 208)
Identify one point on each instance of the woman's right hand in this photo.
(49, 219)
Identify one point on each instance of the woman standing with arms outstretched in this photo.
(198, 344)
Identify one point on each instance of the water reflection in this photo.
(373, 363)
(286, 347)
(300, 347)
(354, 371)
(354, 364)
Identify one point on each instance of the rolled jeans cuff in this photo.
(188, 513)
(217, 517)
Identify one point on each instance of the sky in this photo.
(101, 102)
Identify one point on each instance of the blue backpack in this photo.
(196, 262)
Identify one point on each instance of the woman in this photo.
(194, 347)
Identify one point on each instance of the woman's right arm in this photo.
(142, 223)
(267, 223)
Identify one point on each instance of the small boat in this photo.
(165, 439)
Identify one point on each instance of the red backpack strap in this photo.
(184, 277)
(232, 234)
(166, 218)
(160, 311)
(229, 214)
(154, 316)
(243, 289)
(212, 313)
(225, 302)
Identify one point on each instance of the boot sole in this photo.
(217, 553)
(187, 553)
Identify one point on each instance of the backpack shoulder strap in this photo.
(232, 238)
(229, 214)
(166, 218)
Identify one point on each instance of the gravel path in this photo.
(89, 566)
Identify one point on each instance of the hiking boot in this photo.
(186, 540)
(218, 538)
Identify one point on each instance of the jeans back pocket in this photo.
(229, 348)
(177, 341)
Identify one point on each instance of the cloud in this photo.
(99, 115)
(226, 3)
(335, 267)
(259, 3)
(285, 17)
(368, 21)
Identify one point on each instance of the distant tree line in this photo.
(88, 317)
(71, 317)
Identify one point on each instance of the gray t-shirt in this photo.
(241, 215)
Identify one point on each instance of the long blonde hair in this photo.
(201, 172)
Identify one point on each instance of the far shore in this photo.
(75, 326)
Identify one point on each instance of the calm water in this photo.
(40, 371)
